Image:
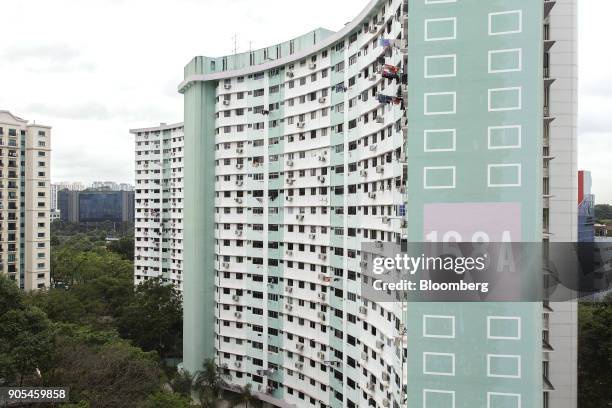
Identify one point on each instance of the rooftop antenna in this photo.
(235, 38)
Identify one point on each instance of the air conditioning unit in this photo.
(299, 365)
(363, 310)
(363, 264)
(385, 376)
(380, 21)
(373, 147)
(301, 124)
(289, 163)
(322, 158)
(321, 315)
(290, 300)
(227, 86)
(225, 265)
(373, 29)
(372, 195)
(290, 74)
(289, 198)
(236, 298)
(312, 65)
(239, 233)
(380, 169)
(239, 150)
(238, 315)
(321, 179)
(238, 200)
(380, 119)
(372, 78)
(379, 244)
(289, 289)
(364, 356)
(322, 100)
(289, 253)
(322, 296)
(322, 257)
(299, 347)
(312, 236)
(379, 344)
(238, 364)
(385, 402)
(386, 220)
(363, 173)
(226, 102)
(299, 217)
(370, 386)
(239, 166)
(321, 355)
(289, 307)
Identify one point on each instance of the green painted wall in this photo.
(470, 43)
(199, 215)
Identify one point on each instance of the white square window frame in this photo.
(520, 27)
(503, 394)
(515, 318)
(509, 50)
(431, 391)
(428, 94)
(514, 356)
(431, 353)
(439, 1)
(512, 88)
(433, 20)
(426, 187)
(520, 174)
(438, 336)
(430, 57)
(516, 146)
(430, 131)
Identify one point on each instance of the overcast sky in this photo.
(94, 69)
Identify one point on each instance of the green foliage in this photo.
(595, 354)
(26, 338)
(112, 374)
(153, 318)
(124, 247)
(207, 384)
(603, 212)
(167, 400)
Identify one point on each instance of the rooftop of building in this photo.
(203, 68)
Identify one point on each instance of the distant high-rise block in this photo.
(158, 233)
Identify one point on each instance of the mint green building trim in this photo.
(199, 213)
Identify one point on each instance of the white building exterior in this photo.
(159, 204)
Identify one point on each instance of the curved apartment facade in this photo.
(414, 118)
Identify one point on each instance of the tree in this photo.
(245, 396)
(595, 354)
(603, 212)
(183, 383)
(26, 339)
(113, 374)
(153, 318)
(124, 247)
(164, 399)
(207, 384)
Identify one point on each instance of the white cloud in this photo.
(110, 65)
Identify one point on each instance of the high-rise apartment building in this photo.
(25, 163)
(425, 120)
(158, 229)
